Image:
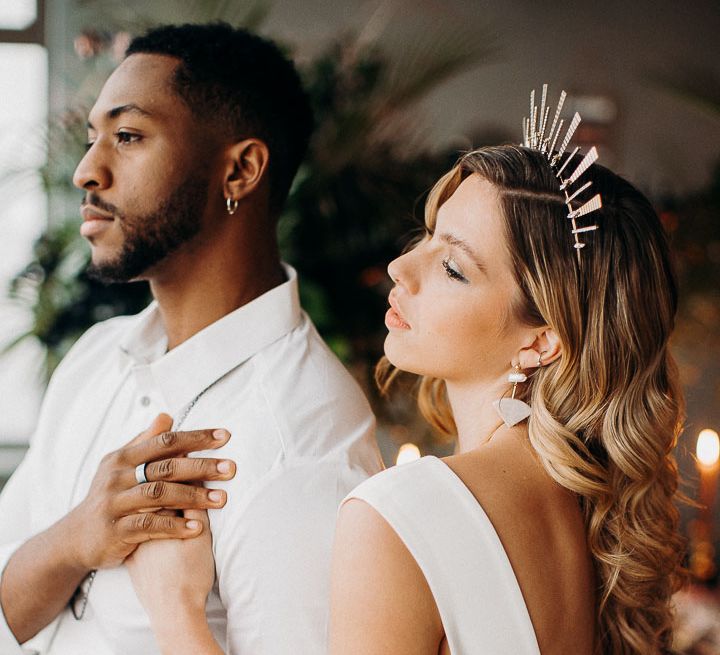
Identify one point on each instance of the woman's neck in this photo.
(475, 417)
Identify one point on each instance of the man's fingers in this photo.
(168, 495)
(172, 444)
(199, 515)
(186, 469)
(162, 423)
(136, 528)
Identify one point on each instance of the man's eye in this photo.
(127, 137)
(452, 270)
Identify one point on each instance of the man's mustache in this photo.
(93, 200)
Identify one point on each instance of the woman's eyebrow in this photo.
(465, 247)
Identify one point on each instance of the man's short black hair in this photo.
(242, 82)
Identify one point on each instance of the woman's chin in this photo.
(400, 358)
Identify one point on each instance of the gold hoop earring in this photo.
(232, 205)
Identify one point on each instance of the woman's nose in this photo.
(401, 273)
(392, 270)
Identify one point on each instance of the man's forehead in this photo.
(141, 80)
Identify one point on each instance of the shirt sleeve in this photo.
(272, 554)
(18, 520)
(15, 529)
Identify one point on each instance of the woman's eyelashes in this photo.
(453, 270)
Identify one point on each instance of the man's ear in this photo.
(246, 165)
(545, 349)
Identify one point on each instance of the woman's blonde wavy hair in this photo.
(607, 414)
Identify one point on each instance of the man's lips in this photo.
(393, 317)
(90, 213)
(95, 221)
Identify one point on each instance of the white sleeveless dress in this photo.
(457, 549)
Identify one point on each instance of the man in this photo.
(192, 146)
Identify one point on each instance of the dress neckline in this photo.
(460, 486)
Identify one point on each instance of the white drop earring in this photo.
(513, 410)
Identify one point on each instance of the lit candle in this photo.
(708, 448)
(702, 533)
(407, 453)
(708, 457)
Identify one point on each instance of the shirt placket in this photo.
(130, 411)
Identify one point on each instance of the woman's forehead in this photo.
(474, 201)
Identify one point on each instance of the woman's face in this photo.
(450, 311)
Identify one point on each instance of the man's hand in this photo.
(118, 513)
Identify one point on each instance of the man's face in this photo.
(146, 185)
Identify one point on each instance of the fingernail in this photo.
(221, 434)
(215, 496)
(224, 466)
(192, 525)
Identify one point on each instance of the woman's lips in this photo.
(393, 317)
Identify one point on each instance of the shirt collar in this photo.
(187, 370)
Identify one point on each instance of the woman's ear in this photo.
(246, 165)
(544, 350)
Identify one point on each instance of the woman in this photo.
(555, 534)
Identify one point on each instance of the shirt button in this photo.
(145, 401)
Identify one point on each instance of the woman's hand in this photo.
(172, 578)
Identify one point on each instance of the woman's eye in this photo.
(452, 270)
(88, 145)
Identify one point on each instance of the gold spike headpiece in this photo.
(537, 137)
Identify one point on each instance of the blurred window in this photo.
(23, 207)
(17, 14)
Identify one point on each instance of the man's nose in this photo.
(92, 173)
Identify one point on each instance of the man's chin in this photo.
(111, 272)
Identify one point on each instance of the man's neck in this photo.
(194, 290)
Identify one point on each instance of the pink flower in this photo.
(90, 43)
(120, 44)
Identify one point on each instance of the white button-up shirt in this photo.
(302, 438)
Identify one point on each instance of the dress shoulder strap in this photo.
(457, 549)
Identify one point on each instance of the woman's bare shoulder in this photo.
(380, 601)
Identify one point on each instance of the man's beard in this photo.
(151, 238)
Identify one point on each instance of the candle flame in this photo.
(407, 453)
(708, 447)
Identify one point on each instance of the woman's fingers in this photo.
(199, 515)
